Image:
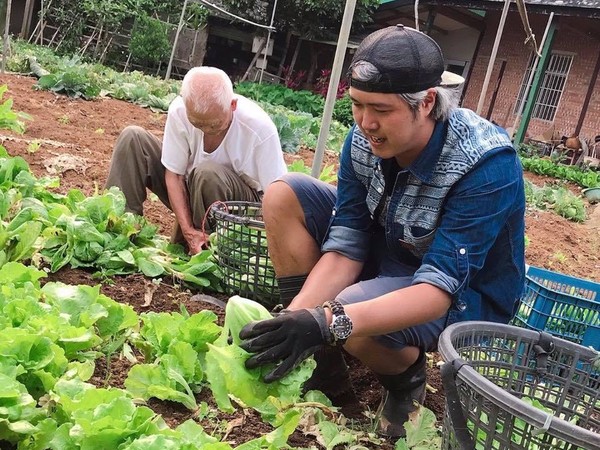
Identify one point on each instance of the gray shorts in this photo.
(317, 200)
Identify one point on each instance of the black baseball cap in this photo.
(408, 61)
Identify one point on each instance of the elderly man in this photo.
(217, 146)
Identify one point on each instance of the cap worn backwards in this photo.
(408, 61)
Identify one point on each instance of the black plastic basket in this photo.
(512, 388)
(240, 246)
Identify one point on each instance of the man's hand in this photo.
(289, 339)
(195, 239)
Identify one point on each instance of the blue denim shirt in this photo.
(456, 215)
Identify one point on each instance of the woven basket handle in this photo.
(449, 370)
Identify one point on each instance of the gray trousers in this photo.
(135, 165)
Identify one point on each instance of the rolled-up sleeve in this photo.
(349, 233)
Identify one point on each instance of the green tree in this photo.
(311, 19)
(107, 17)
(149, 44)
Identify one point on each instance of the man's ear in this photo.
(429, 101)
(234, 104)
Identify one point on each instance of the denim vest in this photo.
(468, 138)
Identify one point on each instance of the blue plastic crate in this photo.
(561, 305)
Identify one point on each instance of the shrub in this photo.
(276, 94)
(149, 43)
(322, 85)
(342, 111)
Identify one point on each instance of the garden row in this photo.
(295, 113)
(52, 336)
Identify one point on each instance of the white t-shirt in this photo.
(251, 145)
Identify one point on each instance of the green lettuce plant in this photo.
(230, 380)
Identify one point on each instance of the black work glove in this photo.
(289, 339)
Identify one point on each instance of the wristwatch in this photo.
(341, 325)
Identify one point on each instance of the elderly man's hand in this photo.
(196, 240)
(288, 339)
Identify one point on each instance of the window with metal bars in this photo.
(551, 88)
(520, 104)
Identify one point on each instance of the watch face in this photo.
(341, 327)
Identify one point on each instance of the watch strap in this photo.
(335, 307)
(337, 310)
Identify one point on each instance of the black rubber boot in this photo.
(331, 376)
(400, 392)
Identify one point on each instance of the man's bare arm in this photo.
(332, 273)
(179, 199)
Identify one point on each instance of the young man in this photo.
(217, 146)
(425, 228)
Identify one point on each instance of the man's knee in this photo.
(132, 132)
(353, 294)
(207, 173)
(279, 199)
(128, 140)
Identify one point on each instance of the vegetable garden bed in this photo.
(73, 139)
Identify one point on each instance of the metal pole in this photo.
(179, 27)
(43, 21)
(532, 74)
(264, 64)
(488, 74)
(6, 29)
(535, 85)
(338, 62)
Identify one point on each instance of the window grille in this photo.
(520, 105)
(552, 86)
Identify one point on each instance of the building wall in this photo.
(458, 45)
(568, 38)
(17, 13)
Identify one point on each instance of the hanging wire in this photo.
(218, 8)
(417, 15)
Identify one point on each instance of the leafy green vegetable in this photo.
(421, 432)
(558, 198)
(81, 231)
(100, 418)
(10, 120)
(229, 378)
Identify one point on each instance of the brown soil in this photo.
(76, 138)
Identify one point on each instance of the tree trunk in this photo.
(314, 56)
(27, 14)
(288, 38)
(294, 58)
(2, 15)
